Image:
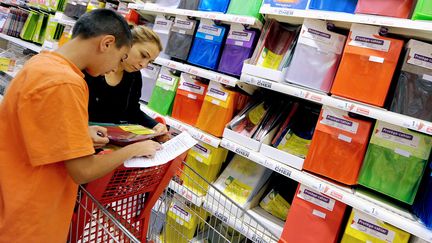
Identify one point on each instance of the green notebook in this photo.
(395, 161)
(245, 8)
(423, 10)
(164, 92)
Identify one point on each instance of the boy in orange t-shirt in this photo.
(46, 147)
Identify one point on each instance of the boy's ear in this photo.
(106, 42)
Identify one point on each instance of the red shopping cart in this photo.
(117, 207)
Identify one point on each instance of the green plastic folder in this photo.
(423, 10)
(162, 98)
(30, 25)
(247, 8)
(395, 161)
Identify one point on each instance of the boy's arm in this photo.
(88, 168)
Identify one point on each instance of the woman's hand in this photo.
(99, 136)
(161, 128)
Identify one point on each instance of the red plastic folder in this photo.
(345, 139)
(391, 8)
(313, 217)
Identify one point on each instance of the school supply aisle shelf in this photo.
(211, 75)
(396, 217)
(194, 132)
(63, 19)
(156, 9)
(408, 27)
(340, 103)
(187, 193)
(11, 74)
(22, 43)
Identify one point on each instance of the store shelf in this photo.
(22, 43)
(401, 26)
(1, 98)
(194, 132)
(156, 9)
(63, 19)
(186, 193)
(343, 104)
(10, 74)
(214, 76)
(343, 194)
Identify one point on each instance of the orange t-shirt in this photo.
(43, 122)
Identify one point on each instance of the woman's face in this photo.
(140, 55)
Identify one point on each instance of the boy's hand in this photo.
(99, 136)
(144, 149)
(161, 128)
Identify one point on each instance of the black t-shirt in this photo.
(117, 104)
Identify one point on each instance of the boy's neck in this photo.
(78, 51)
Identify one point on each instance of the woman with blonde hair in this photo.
(114, 97)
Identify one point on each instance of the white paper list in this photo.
(170, 150)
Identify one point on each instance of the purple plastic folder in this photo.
(239, 46)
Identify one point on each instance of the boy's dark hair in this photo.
(103, 22)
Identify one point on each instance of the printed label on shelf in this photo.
(427, 77)
(179, 211)
(402, 152)
(188, 84)
(314, 33)
(316, 198)
(183, 23)
(345, 138)
(372, 227)
(239, 36)
(216, 90)
(162, 25)
(201, 150)
(209, 30)
(336, 118)
(166, 79)
(365, 36)
(396, 134)
(420, 54)
(319, 213)
(376, 59)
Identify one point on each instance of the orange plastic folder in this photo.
(189, 99)
(313, 217)
(338, 146)
(367, 67)
(217, 110)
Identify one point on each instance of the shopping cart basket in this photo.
(117, 207)
(186, 214)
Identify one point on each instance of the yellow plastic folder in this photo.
(364, 228)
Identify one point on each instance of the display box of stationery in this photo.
(291, 141)
(256, 123)
(239, 187)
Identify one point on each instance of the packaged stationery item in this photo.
(364, 228)
(295, 138)
(391, 8)
(242, 179)
(316, 56)
(395, 161)
(367, 66)
(313, 217)
(247, 123)
(164, 92)
(206, 162)
(217, 109)
(423, 10)
(239, 46)
(214, 5)
(277, 42)
(183, 221)
(180, 38)
(347, 6)
(168, 3)
(162, 27)
(189, 4)
(125, 134)
(189, 99)
(245, 8)
(422, 207)
(207, 45)
(345, 137)
(414, 88)
(149, 76)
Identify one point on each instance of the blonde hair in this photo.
(141, 33)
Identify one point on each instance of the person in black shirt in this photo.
(114, 97)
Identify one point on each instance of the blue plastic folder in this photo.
(207, 45)
(347, 6)
(214, 5)
(296, 4)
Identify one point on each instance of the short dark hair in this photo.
(103, 22)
